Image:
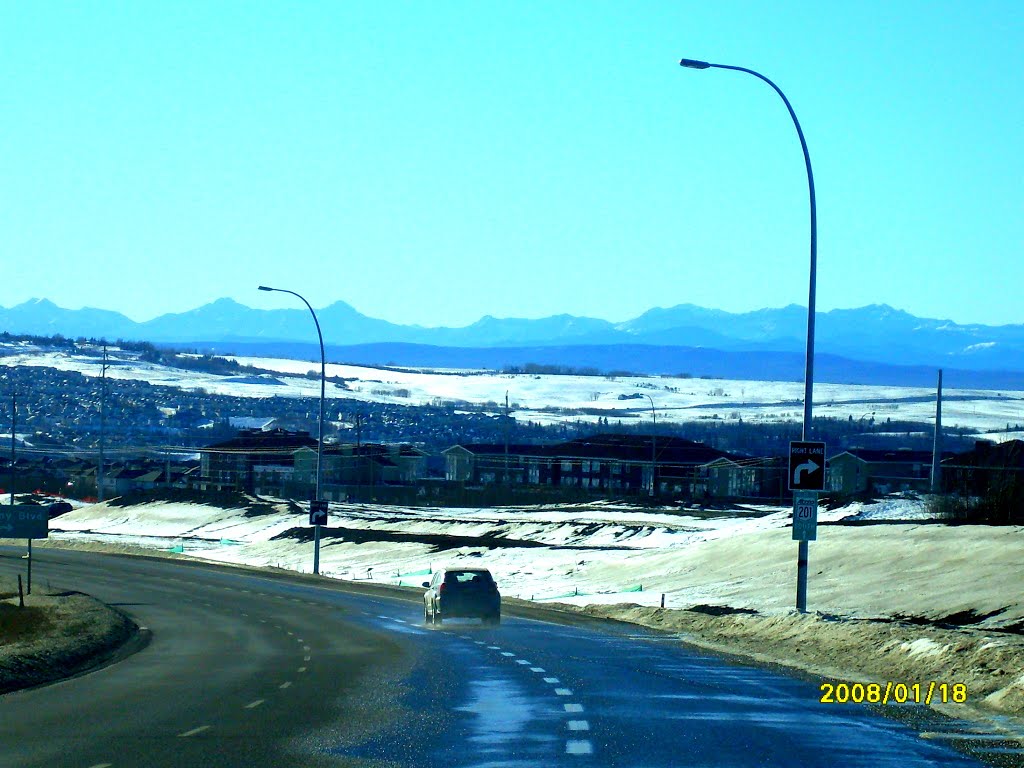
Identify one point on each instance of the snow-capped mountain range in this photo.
(877, 333)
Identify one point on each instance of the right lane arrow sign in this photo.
(806, 466)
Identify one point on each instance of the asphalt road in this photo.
(247, 670)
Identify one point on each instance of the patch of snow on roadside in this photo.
(924, 647)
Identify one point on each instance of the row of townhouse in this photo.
(278, 462)
(618, 464)
(282, 463)
(873, 471)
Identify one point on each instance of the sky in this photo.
(432, 163)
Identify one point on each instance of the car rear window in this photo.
(468, 577)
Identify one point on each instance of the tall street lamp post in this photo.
(320, 437)
(801, 583)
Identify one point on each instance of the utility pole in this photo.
(506, 437)
(14, 442)
(103, 415)
(936, 484)
(654, 445)
(14, 424)
(359, 454)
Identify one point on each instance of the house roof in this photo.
(272, 440)
(638, 448)
(883, 456)
(985, 454)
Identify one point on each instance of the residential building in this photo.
(870, 470)
(608, 463)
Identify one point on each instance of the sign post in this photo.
(317, 517)
(806, 478)
(25, 521)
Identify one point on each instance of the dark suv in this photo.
(461, 592)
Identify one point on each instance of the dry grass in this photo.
(18, 625)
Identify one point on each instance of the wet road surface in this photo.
(249, 670)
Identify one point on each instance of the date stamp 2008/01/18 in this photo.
(893, 693)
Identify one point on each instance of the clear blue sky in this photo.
(434, 162)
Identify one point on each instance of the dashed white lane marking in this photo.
(400, 621)
(291, 634)
(552, 680)
(254, 704)
(263, 621)
(306, 648)
(563, 692)
(298, 639)
(538, 670)
(571, 707)
(306, 658)
(506, 653)
(578, 725)
(285, 684)
(300, 670)
(383, 617)
(194, 731)
(578, 747)
(480, 642)
(524, 662)
(465, 637)
(101, 765)
(493, 648)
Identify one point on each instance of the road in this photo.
(249, 670)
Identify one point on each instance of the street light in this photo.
(654, 454)
(801, 583)
(320, 441)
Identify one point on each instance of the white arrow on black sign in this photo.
(808, 466)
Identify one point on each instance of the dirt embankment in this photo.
(989, 663)
(57, 636)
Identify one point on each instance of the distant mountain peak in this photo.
(877, 332)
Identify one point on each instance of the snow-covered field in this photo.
(608, 553)
(550, 399)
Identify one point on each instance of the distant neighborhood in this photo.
(89, 438)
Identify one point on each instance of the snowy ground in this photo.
(610, 553)
(551, 399)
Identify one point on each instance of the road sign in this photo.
(805, 516)
(806, 466)
(318, 512)
(24, 521)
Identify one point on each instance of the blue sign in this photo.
(24, 521)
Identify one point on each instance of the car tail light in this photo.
(440, 589)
